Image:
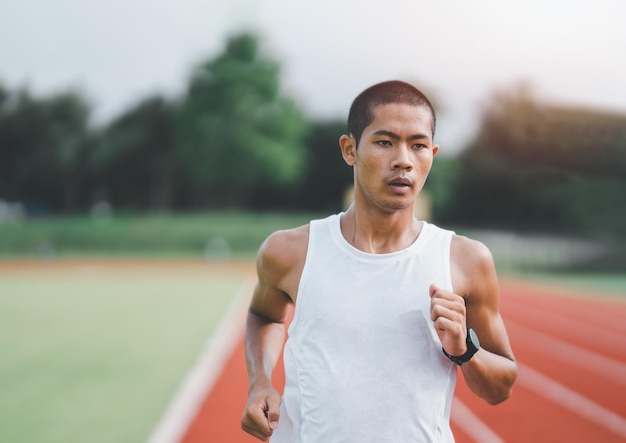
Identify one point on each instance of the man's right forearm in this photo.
(264, 342)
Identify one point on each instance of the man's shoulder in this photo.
(472, 265)
(470, 250)
(281, 259)
(292, 240)
(284, 247)
(286, 238)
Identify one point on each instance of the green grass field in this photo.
(94, 355)
(236, 234)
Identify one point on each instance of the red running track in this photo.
(571, 386)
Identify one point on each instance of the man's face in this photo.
(394, 156)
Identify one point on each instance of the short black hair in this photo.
(394, 91)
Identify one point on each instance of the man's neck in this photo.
(379, 232)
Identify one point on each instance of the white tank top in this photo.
(363, 362)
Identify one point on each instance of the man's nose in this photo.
(402, 159)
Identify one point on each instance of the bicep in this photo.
(269, 302)
(269, 299)
(483, 302)
(489, 327)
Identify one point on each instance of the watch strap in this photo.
(472, 348)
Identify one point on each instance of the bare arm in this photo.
(265, 331)
(492, 371)
(264, 340)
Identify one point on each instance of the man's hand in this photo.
(447, 311)
(260, 417)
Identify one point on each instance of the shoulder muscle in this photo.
(279, 265)
(472, 266)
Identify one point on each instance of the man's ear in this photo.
(347, 143)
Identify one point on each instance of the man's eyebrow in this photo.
(387, 134)
(395, 136)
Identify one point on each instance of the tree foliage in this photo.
(235, 129)
(232, 133)
(135, 161)
(234, 140)
(44, 147)
(323, 185)
(441, 184)
(542, 167)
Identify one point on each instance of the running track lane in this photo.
(571, 386)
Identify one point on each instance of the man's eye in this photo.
(384, 142)
(419, 146)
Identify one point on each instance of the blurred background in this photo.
(152, 111)
(193, 129)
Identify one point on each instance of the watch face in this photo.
(473, 338)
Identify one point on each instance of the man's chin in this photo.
(398, 206)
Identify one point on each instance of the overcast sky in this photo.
(118, 51)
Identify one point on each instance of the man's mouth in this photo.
(401, 182)
(401, 185)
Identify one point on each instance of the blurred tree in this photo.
(235, 130)
(441, 183)
(542, 167)
(44, 147)
(135, 159)
(328, 177)
(323, 185)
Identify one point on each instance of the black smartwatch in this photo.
(473, 345)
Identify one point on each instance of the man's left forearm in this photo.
(490, 376)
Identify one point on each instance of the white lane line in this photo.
(471, 424)
(609, 339)
(569, 399)
(598, 313)
(201, 378)
(613, 370)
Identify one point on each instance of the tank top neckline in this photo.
(346, 247)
